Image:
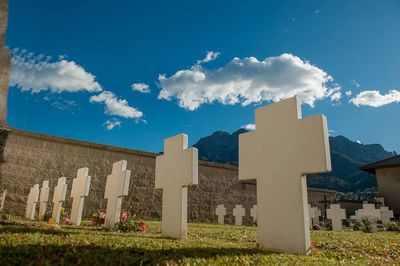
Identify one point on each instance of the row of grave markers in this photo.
(336, 214)
(278, 154)
(238, 212)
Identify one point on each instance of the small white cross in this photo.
(220, 211)
(386, 215)
(33, 199)
(313, 213)
(44, 198)
(117, 187)
(80, 190)
(60, 192)
(238, 212)
(336, 214)
(370, 213)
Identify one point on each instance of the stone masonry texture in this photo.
(30, 158)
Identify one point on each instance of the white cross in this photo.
(220, 211)
(386, 215)
(44, 198)
(33, 198)
(176, 169)
(238, 212)
(370, 213)
(336, 214)
(253, 213)
(60, 192)
(313, 214)
(117, 187)
(279, 154)
(2, 199)
(80, 190)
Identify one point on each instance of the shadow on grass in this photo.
(22, 229)
(96, 255)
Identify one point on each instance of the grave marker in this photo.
(60, 192)
(44, 198)
(117, 187)
(80, 190)
(176, 169)
(279, 154)
(33, 199)
(336, 214)
(386, 215)
(370, 213)
(313, 214)
(253, 213)
(238, 212)
(220, 211)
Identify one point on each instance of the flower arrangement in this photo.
(98, 218)
(64, 216)
(128, 223)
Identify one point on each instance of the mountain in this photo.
(347, 157)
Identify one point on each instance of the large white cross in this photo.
(33, 199)
(370, 213)
(220, 211)
(253, 213)
(279, 154)
(313, 214)
(336, 214)
(44, 198)
(117, 187)
(238, 212)
(176, 169)
(386, 215)
(3, 196)
(80, 190)
(60, 192)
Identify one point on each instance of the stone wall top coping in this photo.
(87, 144)
(322, 190)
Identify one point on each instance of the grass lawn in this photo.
(207, 244)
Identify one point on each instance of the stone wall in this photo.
(31, 158)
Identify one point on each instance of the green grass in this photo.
(29, 244)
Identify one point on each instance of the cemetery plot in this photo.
(206, 244)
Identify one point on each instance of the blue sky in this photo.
(258, 52)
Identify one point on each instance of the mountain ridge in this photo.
(347, 156)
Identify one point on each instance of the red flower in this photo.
(143, 226)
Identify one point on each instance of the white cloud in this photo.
(331, 131)
(248, 81)
(141, 87)
(111, 124)
(37, 73)
(349, 93)
(249, 127)
(336, 96)
(355, 83)
(316, 12)
(115, 106)
(359, 141)
(375, 98)
(210, 56)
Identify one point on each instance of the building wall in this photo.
(30, 158)
(388, 180)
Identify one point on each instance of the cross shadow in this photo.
(96, 255)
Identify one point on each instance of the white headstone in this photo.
(253, 213)
(176, 169)
(44, 198)
(33, 199)
(386, 215)
(220, 211)
(370, 213)
(60, 192)
(313, 214)
(80, 190)
(278, 154)
(238, 212)
(117, 187)
(336, 214)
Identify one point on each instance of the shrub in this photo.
(129, 224)
(64, 216)
(98, 218)
(394, 226)
(366, 226)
